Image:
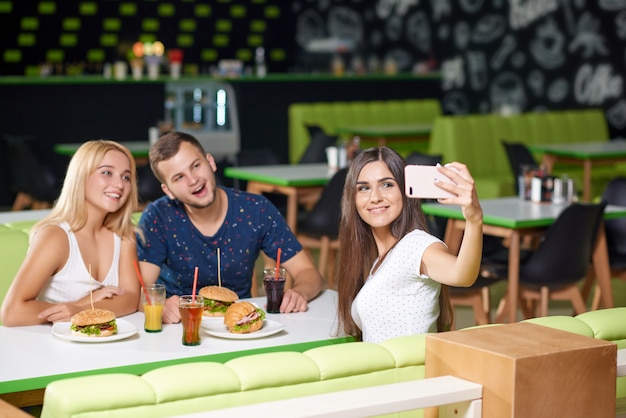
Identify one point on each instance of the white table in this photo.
(512, 218)
(31, 357)
(23, 215)
(584, 153)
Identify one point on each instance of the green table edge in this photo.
(41, 382)
(363, 131)
(62, 149)
(581, 155)
(240, 175)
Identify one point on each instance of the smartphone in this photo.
(420, 182)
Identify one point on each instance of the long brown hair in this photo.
(357, 248)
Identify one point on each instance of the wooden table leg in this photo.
(600, 259)
(513, 279)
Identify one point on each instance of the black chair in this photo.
(319, 141)
(615, 229)
(561, 260)
(420, 158)
(148, 187)
(493, 270)
(32, 178)
(519, 155)
(320, 227)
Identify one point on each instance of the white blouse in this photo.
(398, 300)
(73, 281)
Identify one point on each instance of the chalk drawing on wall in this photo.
(309, 26)
(507, 89)
(441, 8)
(620, 24)
(461, 35)
(488, 29)
(536, 82)
(587, 39)
(616, 114)
(471, 6)
(507, 47)
(386, 8)
(452, 73)
(345, 23)
(612, 5)
(594, 85)
(558, 90)
(393, 28)
(477, 69)
(524, 13)
(455, 102)
(418, 31)
(547, 48)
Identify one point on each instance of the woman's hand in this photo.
(465, 189)
(60, 312)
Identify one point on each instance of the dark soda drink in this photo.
(274, 288)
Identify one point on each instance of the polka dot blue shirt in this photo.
(171, 241)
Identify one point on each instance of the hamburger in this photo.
(217, 299)
(243, 317)
(93, 323)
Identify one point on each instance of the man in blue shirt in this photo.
(185, 228)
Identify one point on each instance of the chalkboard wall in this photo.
(495, 55)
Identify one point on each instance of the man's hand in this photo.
(171, 314)
(293, 302)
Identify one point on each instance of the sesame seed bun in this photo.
(220, 293)
(92, 317)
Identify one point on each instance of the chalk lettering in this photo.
(595, 86)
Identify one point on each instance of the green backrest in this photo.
(476, 139)
(330, 115)
(13, 247)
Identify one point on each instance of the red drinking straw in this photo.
(195, 283)
(277, 263)
(143, 286)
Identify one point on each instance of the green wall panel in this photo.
(88, 8)
(26, 39)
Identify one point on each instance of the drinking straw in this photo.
(219, 277)
(277, 263)
(90, 291)
(143, 286)
(195, 283)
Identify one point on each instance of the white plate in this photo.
(212, 320)
(124, 330)
(219, 330)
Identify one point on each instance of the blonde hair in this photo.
(70, 207)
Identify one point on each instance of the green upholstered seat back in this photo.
(330, 115)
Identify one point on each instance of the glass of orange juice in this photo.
(152, 299)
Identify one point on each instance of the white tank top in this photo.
(73, 281)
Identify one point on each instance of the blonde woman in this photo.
(86, 244)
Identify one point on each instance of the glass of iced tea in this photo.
(152, 299)
(191, 317)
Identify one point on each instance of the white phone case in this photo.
(420, 182)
